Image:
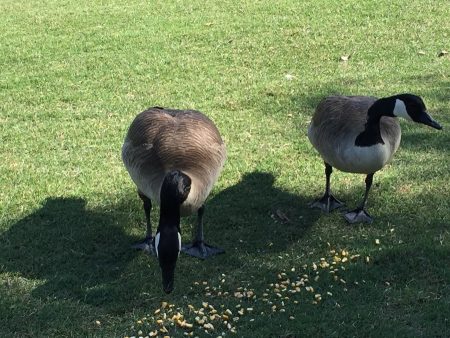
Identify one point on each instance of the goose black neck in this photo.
(169, 216)
(371, 135)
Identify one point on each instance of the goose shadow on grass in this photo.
(254, 213)
(84, 254)
(76, 252)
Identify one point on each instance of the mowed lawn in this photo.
(75, 73)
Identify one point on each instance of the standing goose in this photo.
(174, 157)
(360, 134)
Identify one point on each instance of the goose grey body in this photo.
(161, 140)
(174, 157)
(338, 121)
(360, 134)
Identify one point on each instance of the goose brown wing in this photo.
(339, 117)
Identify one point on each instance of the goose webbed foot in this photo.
(358, 215)
(147, 245)
(201, 250)
(327, 203)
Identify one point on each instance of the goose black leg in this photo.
(147, 244)
(198, 248)
(327, 202)
(360, 215)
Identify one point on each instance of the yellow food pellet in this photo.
(324, 264)
(97, 322)
(291, 317)
(164, 305)
(208, 326)
(377, 241)
(238, 294)
(157, 311)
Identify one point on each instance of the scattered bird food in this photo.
(217, 315)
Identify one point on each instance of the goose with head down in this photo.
(174, 157)
(360, 134)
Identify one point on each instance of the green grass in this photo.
(74, 74)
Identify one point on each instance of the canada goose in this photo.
(174, 157)
(360, 134)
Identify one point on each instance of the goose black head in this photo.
(174, 191)
(413, 108)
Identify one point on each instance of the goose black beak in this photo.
(168, 280)
(425, 118)
(168, 288)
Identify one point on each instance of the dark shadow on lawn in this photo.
(75, 250)
(85, 254)
(254, 213)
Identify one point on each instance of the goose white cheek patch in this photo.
(400, 110)
(157, 243)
